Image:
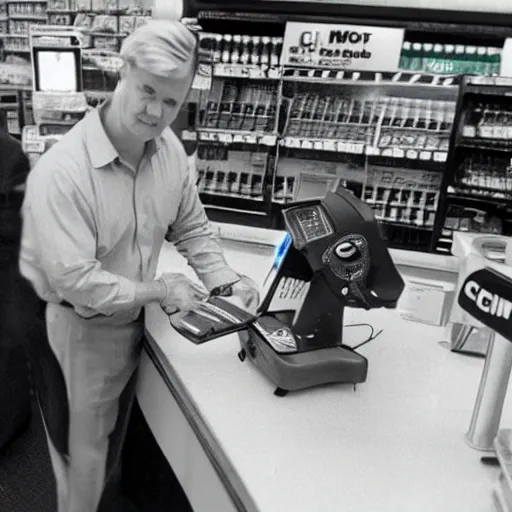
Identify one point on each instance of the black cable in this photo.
(372, 336)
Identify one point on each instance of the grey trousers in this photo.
(98, 358)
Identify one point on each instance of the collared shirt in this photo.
(93, 227)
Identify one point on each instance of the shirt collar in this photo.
(101, 150)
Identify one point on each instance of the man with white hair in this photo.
(97, 208)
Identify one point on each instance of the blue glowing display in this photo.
(281, 249)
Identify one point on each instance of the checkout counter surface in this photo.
(395, 444)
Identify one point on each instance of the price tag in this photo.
(238, 138)
(440, 156)
(188, 135)
(219, 69)
(274, 73)
(318, 144)
(350, 147)
(398, 153)
(387, 152)
(269, 140)
(307, 144)
(371, 150)
(359, 149)
(254, 72)
(469, 131)
(342, 147)
(425, 155)
(251, 139)
(329, 145)
(412, 154)
(485, 132)
(223, 137)
(228, 138)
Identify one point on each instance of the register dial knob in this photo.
(345, 250)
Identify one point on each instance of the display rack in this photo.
(478, 195)
(382, 130)
(104, 23)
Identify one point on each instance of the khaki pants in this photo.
(98, 358)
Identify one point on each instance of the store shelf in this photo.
(228, 136)
(27, 17)
(486, 144)
(246, 71)
(401, 78)
(478, 200)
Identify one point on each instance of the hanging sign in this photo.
(487, 296)
(342, 46)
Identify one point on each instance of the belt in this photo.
(67, 304)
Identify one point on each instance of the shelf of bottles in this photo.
(235, 130)
(479, 197)
(384, 136)
(389, 151)
(450, 58)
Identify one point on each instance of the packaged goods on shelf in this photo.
(234, 106)
(243, 49)
(450, 58)
(227, 172)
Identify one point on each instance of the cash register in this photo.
(332, 257)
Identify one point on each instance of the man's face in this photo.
(150, 103)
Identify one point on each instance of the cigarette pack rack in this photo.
(478, 195)
(235, 124)
(386, 143)
(236, 146)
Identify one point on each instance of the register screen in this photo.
(57, 71)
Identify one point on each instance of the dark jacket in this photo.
(14, 164)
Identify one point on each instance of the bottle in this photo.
(416, 62)
(428, 57)
(481, 60)
(405, 55)
(449, 58)
(471, 60)
(439, 62)
(494, 66)
(459, 59)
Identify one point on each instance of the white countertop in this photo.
(396, 444)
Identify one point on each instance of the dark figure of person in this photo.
(14, 383)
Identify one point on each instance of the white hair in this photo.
(162, 48)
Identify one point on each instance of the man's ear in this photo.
(124, 70)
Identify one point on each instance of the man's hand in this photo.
(248, 292)
(182, 294)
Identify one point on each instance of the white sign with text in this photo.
(355, 47)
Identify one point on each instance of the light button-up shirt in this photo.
(93, 227)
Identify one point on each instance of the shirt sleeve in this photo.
(194, 239)
(58, 215)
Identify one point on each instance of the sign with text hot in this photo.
(342, 46)
(487, 296)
